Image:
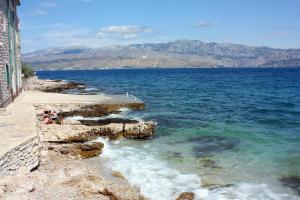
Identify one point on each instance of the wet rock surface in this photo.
(292, 182)
(107, 121)
(206, 145)
(186, 196)
(101, 109)
(90, 111)
(142, 130)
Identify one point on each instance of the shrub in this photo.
(27, 71)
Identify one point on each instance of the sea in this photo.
(222, 133)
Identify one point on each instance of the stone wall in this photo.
(5, 95)
(21, 159)
(9, 54)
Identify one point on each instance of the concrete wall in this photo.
(21, 159)
(9, 52)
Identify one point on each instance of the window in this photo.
(7, 75)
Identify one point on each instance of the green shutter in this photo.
(7, 74)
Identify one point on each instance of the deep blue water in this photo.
(250, 118)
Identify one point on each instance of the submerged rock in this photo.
(186, 196)
(117, 175)
(172, 154)
(292, 182)
(215, 186)
(83, 150)
(205, 145)
(207, 162)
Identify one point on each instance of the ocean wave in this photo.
(158, 181)
(90, 89)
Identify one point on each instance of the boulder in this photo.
(82, 150)
(117, 175)
(93, 185)
(292, 182)
(141, 130)
(186, 196)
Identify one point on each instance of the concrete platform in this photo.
(18, 124)
(35, 97)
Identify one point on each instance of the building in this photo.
(10, 56)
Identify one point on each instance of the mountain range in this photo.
(180, 53)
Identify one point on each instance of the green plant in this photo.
(27, 71)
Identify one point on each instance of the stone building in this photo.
(10, 57)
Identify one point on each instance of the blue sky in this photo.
(96, 23)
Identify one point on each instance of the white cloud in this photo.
(126, 32)
(64, 35)
(206, 24)
(101, 35)
(39, 12)
(43, 7)
(276, 34)
(126, 29)
(48, 4)
(130, 36)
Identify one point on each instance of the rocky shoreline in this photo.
(69, 166)
(53, 86)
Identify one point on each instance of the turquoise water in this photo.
(238, 128)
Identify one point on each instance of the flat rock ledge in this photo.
(86, 150)
(53, 86)
(81, 133)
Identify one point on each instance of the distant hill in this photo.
(180, 53)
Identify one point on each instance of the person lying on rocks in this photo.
(54, 115)
(47, 119)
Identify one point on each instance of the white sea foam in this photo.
(155, 178)
(90, 89)
(158, 181)
(124, 110)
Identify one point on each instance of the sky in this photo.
(98, 23)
